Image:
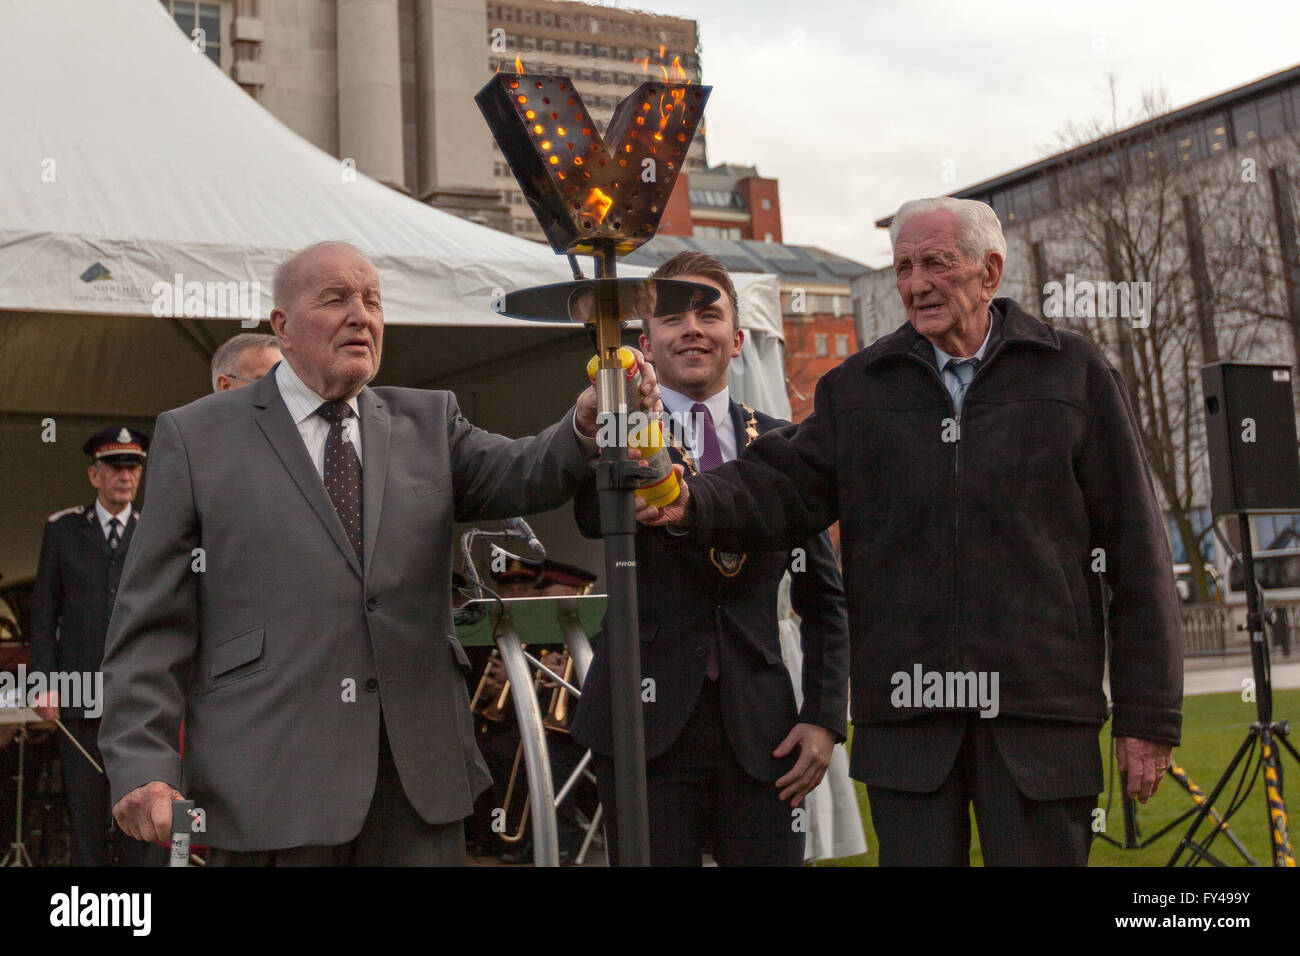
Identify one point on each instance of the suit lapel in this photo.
(128, 531)
(374, 466)
(95, 530)
(273, 418)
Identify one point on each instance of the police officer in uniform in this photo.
(82, 556)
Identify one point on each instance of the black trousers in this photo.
(701, 798)
(393, 834)
(933, 829)
(94, 841)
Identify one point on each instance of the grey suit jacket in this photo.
(244, 610)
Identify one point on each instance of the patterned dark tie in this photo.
(114, 534)
(343, 472)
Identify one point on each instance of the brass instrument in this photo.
(494, 709)
(558, 711)
(558, 716)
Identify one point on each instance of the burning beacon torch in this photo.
(603, 197)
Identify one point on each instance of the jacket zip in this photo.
(956, 476)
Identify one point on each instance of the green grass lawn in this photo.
(1214, 725)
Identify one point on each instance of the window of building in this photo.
(548, 46)
(1272, 117)
(548, 20)
(528, 16)
(819, 345)
(1001, 207)
(1245, 124)
(566, 23)
(767, 204)
(1214, 133)
(1276, 532)
(566, 46)
(528, 44)
(767, 237)
(841, 345)
(509, 15)
(212, 18)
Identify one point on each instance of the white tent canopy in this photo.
(128, 159)
(128, 149)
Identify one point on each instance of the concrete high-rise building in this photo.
(389, 84)
(606, 51)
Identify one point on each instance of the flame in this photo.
(663, 50)
(597, 204)
(679, 74)
(519, 65)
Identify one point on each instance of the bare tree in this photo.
(1167, 259)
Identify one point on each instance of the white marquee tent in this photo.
(128, 159)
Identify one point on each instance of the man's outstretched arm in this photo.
(782, 488)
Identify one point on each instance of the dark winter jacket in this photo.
(976, 545)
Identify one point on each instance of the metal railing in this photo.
(1205, 630)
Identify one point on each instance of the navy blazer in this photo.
(683, 600)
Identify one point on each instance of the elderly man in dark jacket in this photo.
(987, 475)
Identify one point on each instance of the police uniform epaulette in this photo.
(74, 510)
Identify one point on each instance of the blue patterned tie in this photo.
(964, 369)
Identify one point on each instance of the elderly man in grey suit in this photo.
(288, 595)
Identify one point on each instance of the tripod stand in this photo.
(1133, 839)
(1265, 733)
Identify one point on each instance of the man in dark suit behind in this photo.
(77, 580)
(987, 474)
(288, 596)
(729, 756)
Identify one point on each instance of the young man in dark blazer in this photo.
(729, 756)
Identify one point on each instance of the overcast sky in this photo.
(856, 107)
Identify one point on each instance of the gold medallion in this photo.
(727, 563)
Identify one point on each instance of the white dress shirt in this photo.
(678, 407)
(302, 403)
(105, 516)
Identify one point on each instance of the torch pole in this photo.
(618, 527)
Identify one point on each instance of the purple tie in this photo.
(709, 449)
(710, 457)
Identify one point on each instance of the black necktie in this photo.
(343, 472)
(114, 533)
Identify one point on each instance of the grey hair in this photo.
(978, 230)
(225, 360)
(288, 278)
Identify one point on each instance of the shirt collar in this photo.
(301, 401)
(679, 405)
(942, 357)
(105, 516)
